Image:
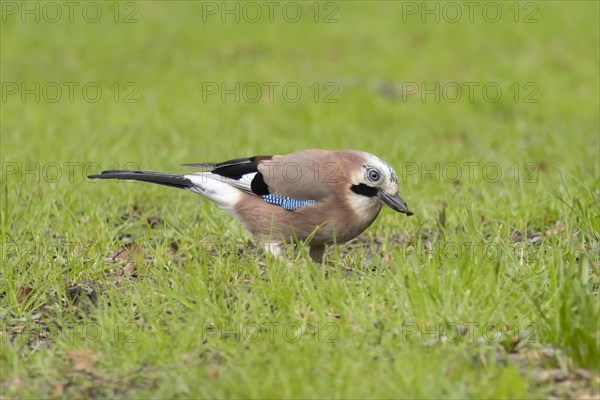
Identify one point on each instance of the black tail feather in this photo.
(173, 180)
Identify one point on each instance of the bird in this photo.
(317, 197)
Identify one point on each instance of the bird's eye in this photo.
(373, 175)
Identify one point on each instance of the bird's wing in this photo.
(305, 174)
(239, 172)
(233, 169)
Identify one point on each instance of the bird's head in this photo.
(377, 181)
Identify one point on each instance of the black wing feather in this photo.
(235, 168)
(258, 185)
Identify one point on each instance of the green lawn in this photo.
(119, 289)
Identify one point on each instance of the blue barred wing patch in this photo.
(288, 203)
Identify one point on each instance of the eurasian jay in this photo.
(315, 196)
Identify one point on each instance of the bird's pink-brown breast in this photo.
(331, 220)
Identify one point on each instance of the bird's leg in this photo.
(273, 248)
(316, 252)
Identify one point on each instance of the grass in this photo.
(117, 289)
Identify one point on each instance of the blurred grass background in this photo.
(164, 55)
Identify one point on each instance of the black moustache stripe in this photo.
(364, 190)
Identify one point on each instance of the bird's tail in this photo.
(173, 180)
(214, 187)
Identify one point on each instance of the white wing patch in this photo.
(223, 191)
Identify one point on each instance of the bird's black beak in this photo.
(395, 202)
